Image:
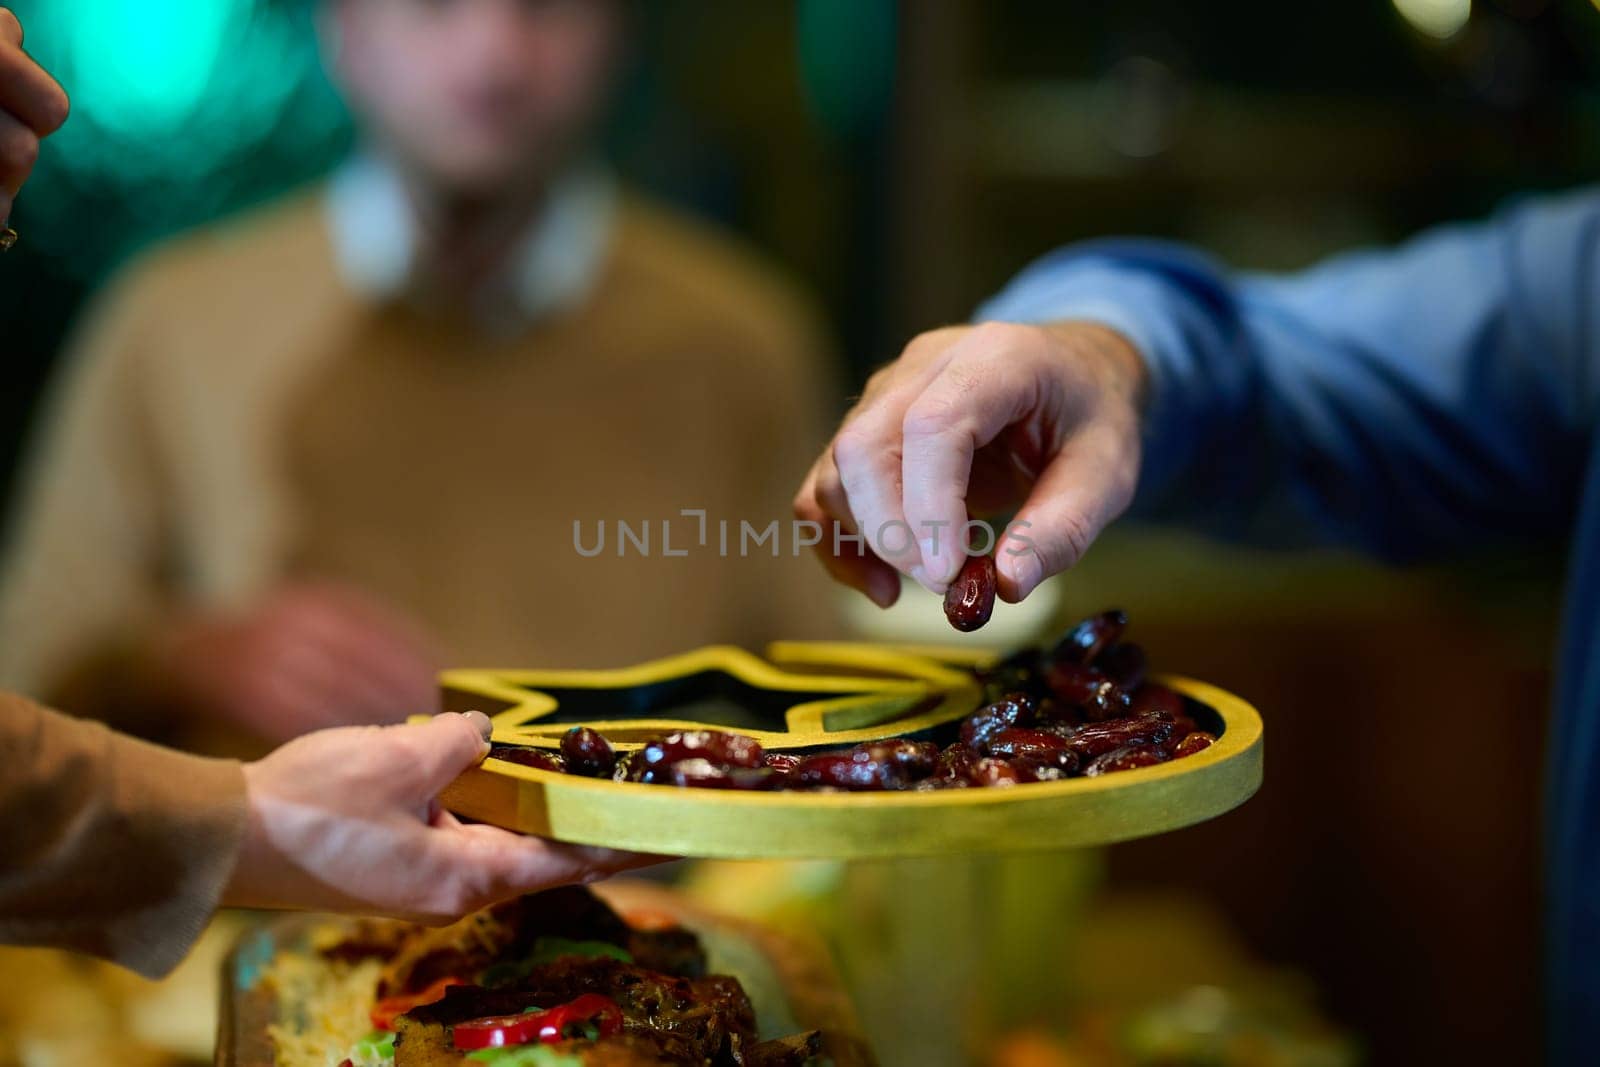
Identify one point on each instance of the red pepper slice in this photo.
(498, 1031)
(387, 1010)
(549, 1027)
(592, 1007)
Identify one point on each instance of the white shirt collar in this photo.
(553, 268)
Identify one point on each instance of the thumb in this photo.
(439, 750)
(1089, 483)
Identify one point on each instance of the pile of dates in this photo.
(1079, 709)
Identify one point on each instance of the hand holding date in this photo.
(974, 421)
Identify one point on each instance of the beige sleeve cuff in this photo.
(108, 845)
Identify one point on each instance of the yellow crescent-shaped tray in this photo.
(812, 696)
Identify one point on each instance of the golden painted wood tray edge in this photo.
(720, 824)
(845, 692)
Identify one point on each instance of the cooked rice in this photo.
(325, 1007)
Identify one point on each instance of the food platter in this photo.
(813, 696)
(791, 984)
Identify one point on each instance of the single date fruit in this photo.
(915, 759)
(1198, 741)
(1124, 664)
(1085, 641)
(989, 772)
(1125, 759)
(782, 762)
(1031, 769)
(1153, 697)
(1014, 709)
(1085, 687)
(539, 758)
(714, 746)
(955, 763)
(703, 774)
(841, 770)
(1018, 742)
(969, 601)
(1098, 738)
(587, 753)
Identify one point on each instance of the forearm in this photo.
(110, 846)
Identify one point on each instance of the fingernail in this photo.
(946, 560)
(883, 588)
(920, 576)
(481, 723)
(1026, 573)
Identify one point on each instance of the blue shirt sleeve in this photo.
(1409, 403)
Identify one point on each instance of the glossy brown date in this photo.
(1036, 755)
(1037, 746)
(1084, 687)
(1098, 738)
(539, 758)
(1124, 664)
(782, 762)
(1153, 697)
(876, 765)
(955, 763)
(916, 759)
(588, 753)
(714, 746)
(840, 770)
(703, 774)
(1083, 708)
(1125, 759)
(1085, 641)
(989, 773)
(1014, 709)
(1189, 744)
(1037, 770)
(969, 602)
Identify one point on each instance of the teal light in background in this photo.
(182, 110)
(142, 68)
(847, 62)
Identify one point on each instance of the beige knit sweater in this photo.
(233, 416)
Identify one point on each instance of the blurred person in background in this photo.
(301, 460)
(1412, 404)
(121, 849)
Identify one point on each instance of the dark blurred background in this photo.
(903, 160)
